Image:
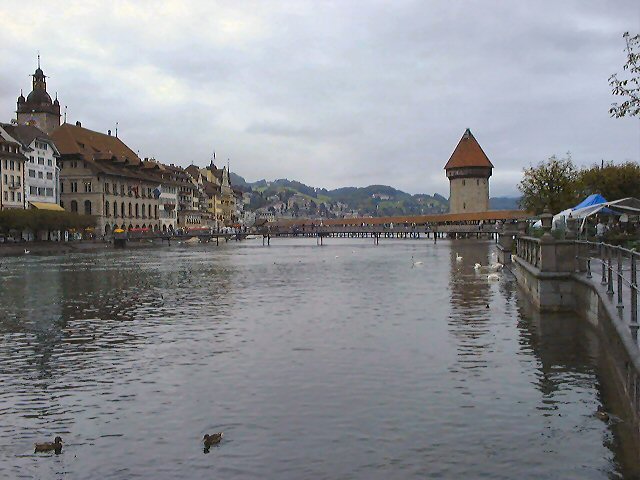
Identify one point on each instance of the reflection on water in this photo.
(342, 361)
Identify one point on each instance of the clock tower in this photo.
(38, 109)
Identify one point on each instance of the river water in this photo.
(334, 362)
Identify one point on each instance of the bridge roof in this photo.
(491, 215)
(468, 153)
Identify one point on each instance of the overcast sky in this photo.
(333, 93)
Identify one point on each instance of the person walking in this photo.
(601, 228)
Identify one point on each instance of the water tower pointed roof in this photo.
(468, 153)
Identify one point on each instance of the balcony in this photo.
(15, 186)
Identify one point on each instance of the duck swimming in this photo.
(493, 276)
(458, 257)
(601, 414)
(210, 440)
(55, 446)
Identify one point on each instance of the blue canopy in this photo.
(593, 199)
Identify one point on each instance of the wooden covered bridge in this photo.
(451, 225)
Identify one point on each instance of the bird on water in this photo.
(210, 440)
(601, 414)
(55, 446)
(458, 257)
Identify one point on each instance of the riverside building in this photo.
(100, 175)
(41, 172)
(12, 162)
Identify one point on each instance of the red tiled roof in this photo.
(103, 153)
(468, 153)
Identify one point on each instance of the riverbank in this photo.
(62, 248)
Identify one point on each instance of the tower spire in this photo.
(38, 58)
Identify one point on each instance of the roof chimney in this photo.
(78, 124)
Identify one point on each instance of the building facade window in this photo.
(40, 175)
(107, 212)
(49, 176)
(87, 207)
(49, 192)
(33, 191)
(74, 206)
(32, 173)
(74, 187)
(40, 160)
(87, 187)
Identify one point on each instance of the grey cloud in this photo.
(339, 93)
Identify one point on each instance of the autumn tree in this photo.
(628, 88)
(611, 181)
(553, 184)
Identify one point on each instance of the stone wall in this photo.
(468, 195)
(560, 285)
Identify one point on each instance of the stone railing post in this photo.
(548, 260)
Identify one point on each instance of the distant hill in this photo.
(504, 203)
(376, 200)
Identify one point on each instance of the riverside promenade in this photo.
(595, 280)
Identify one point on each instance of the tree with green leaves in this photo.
(628, 88)
(612, 181)
(552, 184)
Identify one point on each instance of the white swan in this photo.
(414, 263)
(496, 267)
(458, 257)
(477, 266)
(493, 276)
(27, 252)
